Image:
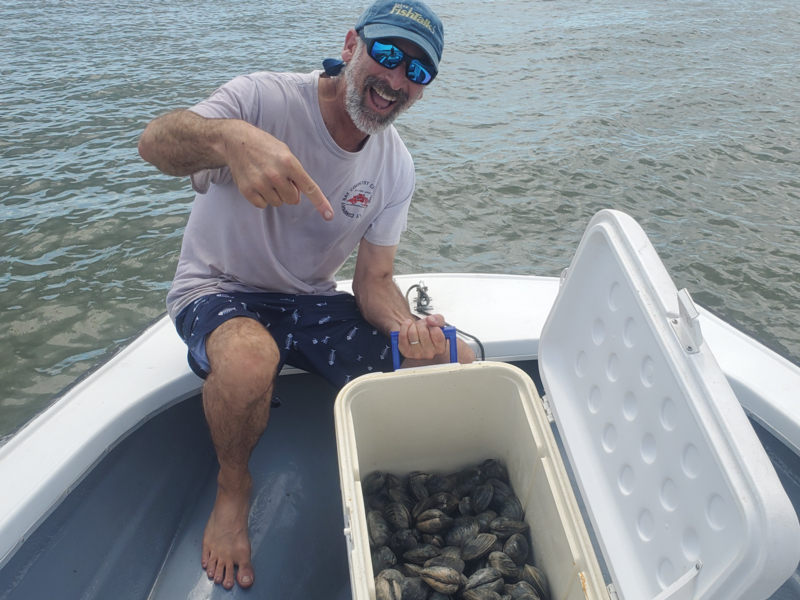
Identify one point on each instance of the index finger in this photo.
(306, 185)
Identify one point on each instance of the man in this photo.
(292, 172)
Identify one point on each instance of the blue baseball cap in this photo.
(411, 20)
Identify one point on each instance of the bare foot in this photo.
(225, 542)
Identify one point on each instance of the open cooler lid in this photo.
(680, 492)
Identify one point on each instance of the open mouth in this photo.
(381, 100)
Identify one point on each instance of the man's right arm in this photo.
(264, 169)
(182, 142)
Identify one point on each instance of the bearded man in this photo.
(292, 173)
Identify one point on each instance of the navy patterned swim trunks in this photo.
(326, 335)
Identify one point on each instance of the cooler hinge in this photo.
(547, 410)
(612, 592)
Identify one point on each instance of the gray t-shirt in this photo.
(232, 246)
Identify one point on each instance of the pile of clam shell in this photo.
(439, 537)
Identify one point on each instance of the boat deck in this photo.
(132, 529)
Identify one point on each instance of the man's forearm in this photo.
(382, 304)
(182, 142)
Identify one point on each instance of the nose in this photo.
(397, 77)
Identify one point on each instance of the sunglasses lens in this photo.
(387, 55)
(390, 56)
(419, 73)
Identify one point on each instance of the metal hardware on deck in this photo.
(687, 325)
(612, 592)
(547, 410)
(680, 590)
(563, 277)
(423, 299)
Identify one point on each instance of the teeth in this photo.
(384, 96)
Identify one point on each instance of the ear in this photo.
(350, 43)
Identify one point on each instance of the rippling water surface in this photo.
(684, 114)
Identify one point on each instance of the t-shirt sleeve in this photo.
(237, 99)
(387, 227)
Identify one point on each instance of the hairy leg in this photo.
(236, 398)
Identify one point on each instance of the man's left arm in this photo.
(383, 305)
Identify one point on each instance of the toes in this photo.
(245, 575)
(227, 583)
(211, 567)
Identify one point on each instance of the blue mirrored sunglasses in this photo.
(390, 56)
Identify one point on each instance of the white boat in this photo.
(106, 493)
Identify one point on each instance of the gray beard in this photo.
(364, 118)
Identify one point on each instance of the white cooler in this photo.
(682, 497)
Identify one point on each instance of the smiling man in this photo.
(292, 173)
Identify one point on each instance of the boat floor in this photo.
(132, 529)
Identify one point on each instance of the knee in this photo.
(243, 356)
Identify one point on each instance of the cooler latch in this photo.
(687, 325)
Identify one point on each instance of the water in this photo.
(684, 114)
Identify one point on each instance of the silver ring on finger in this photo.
(413, 343)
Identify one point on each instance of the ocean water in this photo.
(684, 114)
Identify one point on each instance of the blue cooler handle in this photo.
(449, 333)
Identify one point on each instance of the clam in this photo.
(403, 541)
(387, 589)
(382, 559)
(537, 579)
(442, 501)
(378, 529)
(400, 495)
(414, 588)
(478, 547)
(454, 551)
(481, 497)
(465, 506)
(494, 469)
(503, 563)
(433, 521)
(438, 483)
(504, 528)
(397, 516)
(439, 596)
(421, 554)
(467, 480)
(485, 520)
(463, 530)
(378, 501)
(501, 488)
(485, 578)
(392, 574)
(373, 483)
(442, 579)
(411, 570)
(416, 484)
(452, 562)
(516, 547)
(521, 591)
(434, 539)
(393, 481)
(512, 508)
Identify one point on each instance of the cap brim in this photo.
(382, 30)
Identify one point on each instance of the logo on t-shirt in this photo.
(357, 199)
